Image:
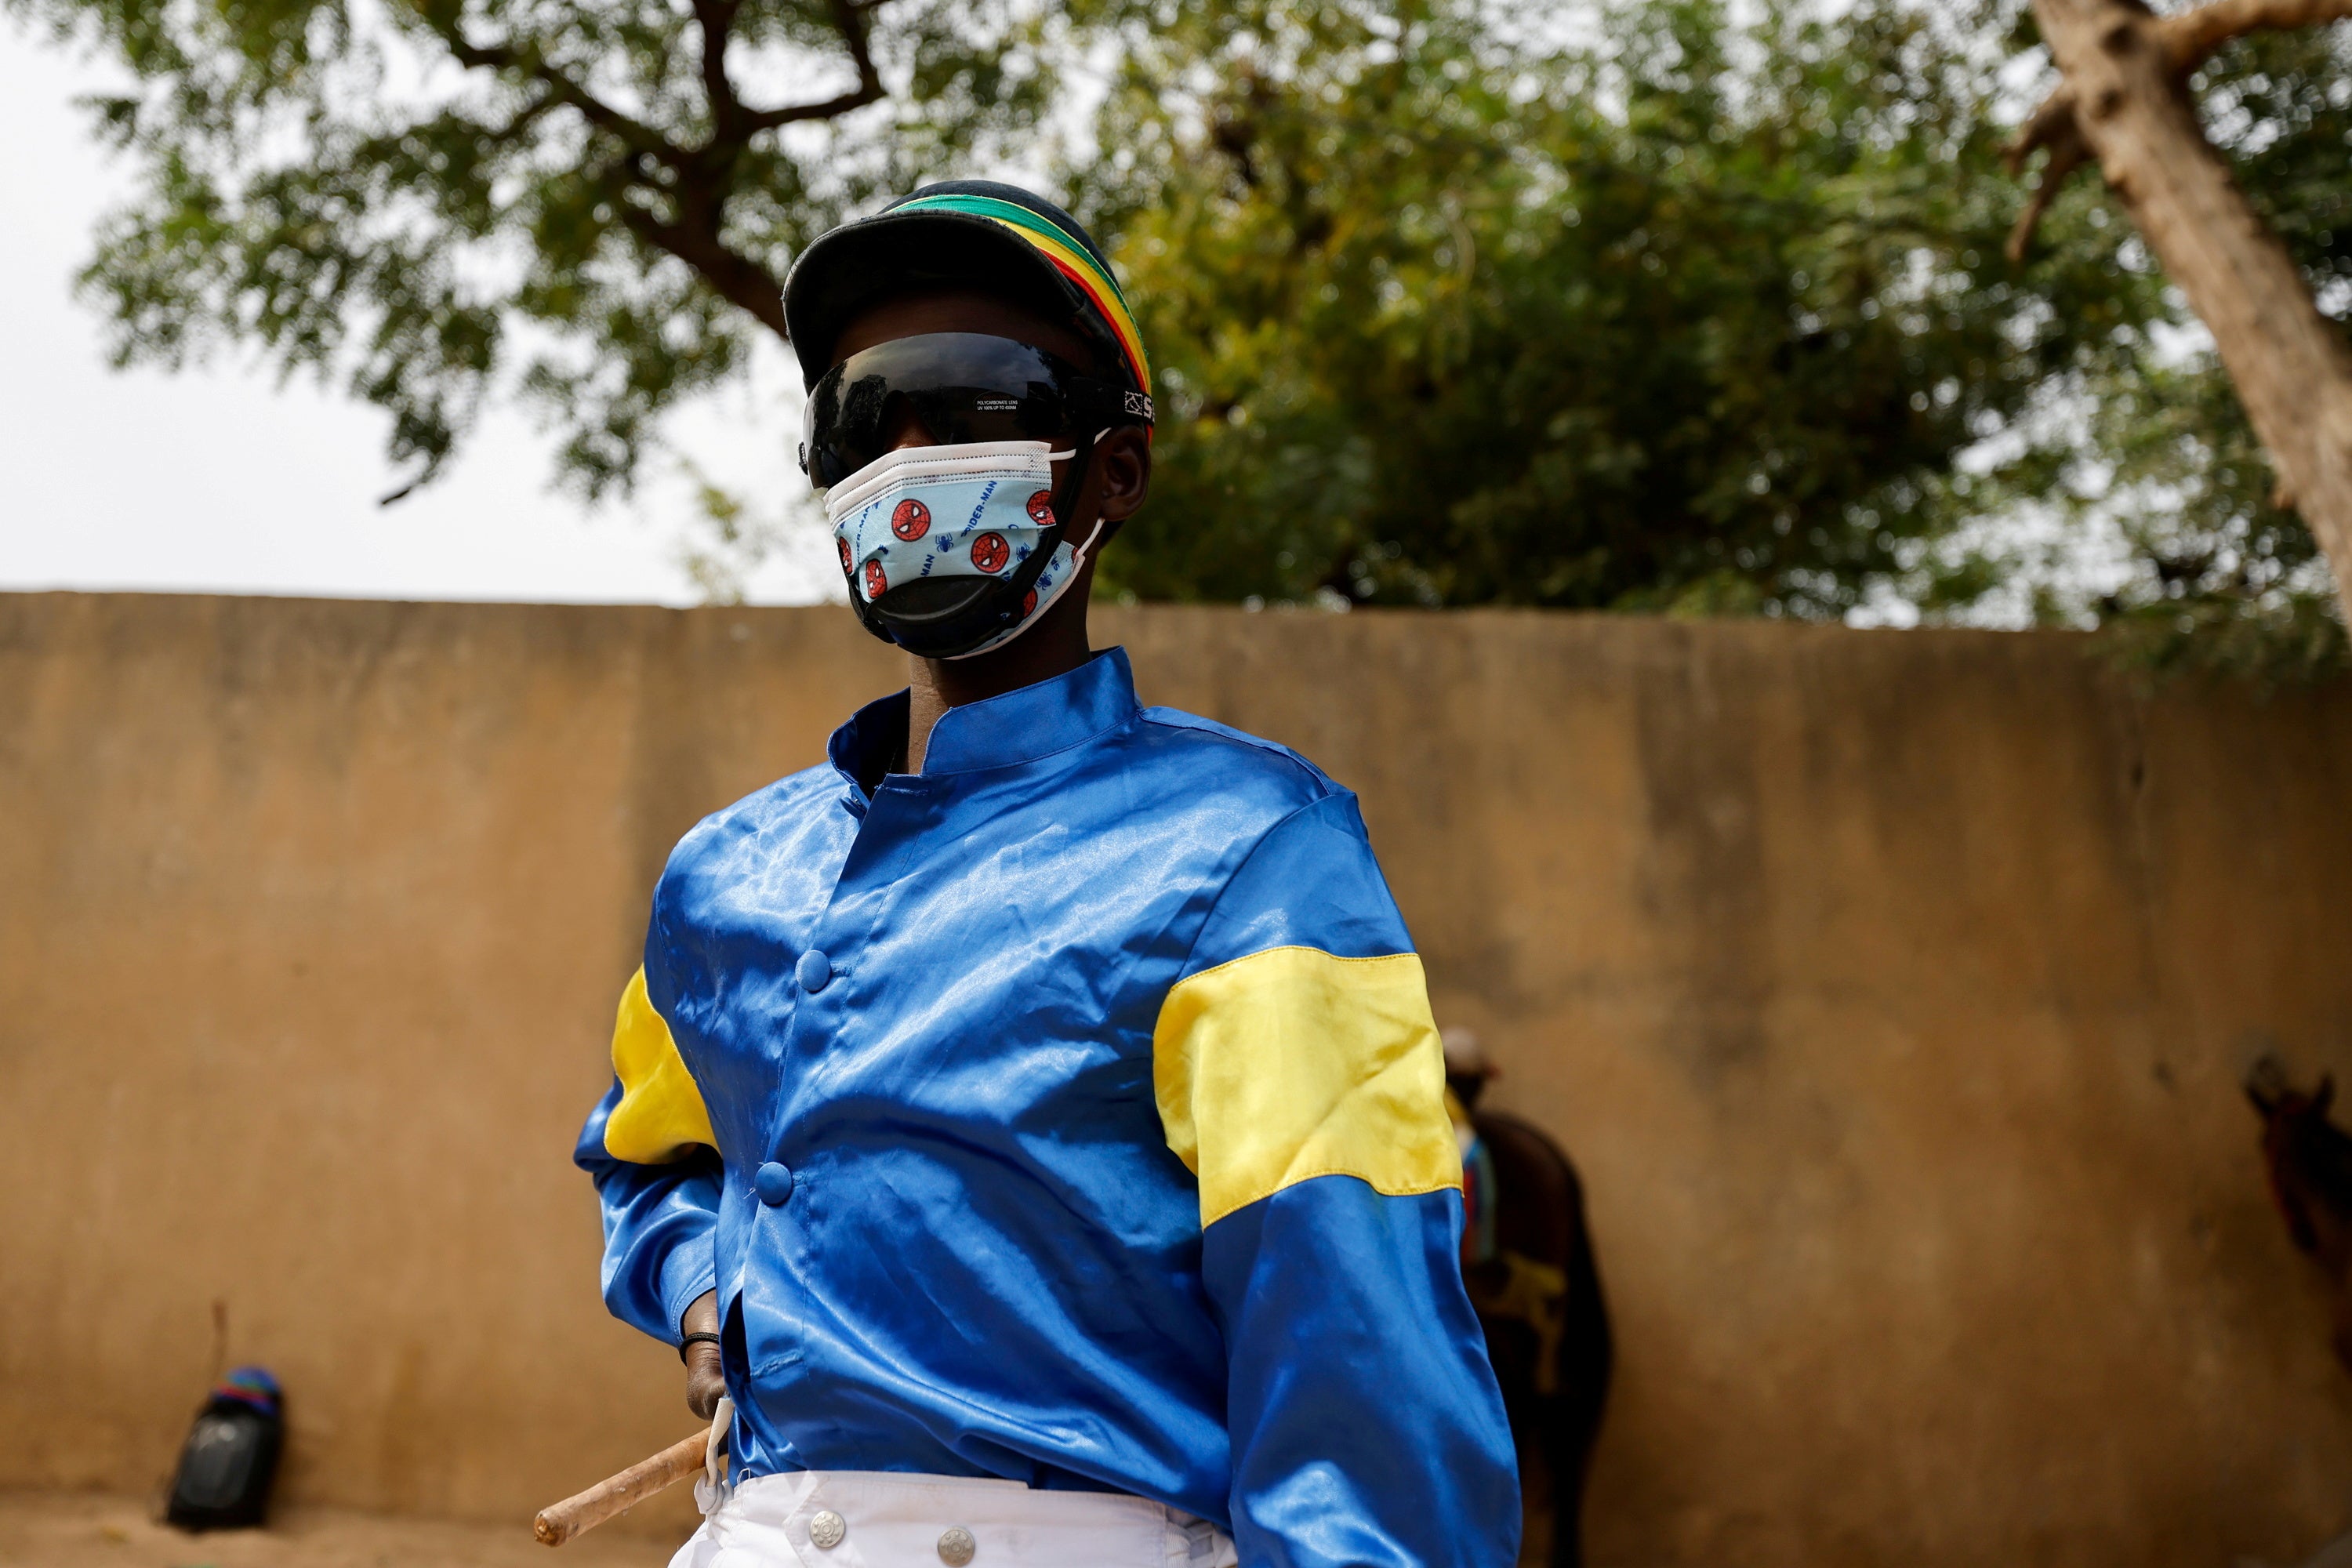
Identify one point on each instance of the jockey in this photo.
(1031, 1117)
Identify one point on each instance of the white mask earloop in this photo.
(1078, 556)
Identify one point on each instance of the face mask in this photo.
(952, 550)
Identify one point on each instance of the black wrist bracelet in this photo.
(694, 1340)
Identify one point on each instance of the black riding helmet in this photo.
(965, 387)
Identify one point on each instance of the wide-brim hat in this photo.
(971, 233)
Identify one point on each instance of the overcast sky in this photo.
(214, 480)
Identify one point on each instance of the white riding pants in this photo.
(871, 1519)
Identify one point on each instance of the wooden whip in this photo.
(558, 1522)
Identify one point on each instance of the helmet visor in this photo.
(961, 387)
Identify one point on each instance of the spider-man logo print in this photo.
(1029, 604)
(911, 519)
(989, 553)
(846, 564)
(874, 580)
(1041, 508)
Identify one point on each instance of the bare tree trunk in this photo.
(2125, 103)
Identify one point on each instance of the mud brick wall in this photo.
(1890, 989)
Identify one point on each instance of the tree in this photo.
(1690, 315)
(2123, 102)
(2230, 577)
(595, 201)
(1685, 318)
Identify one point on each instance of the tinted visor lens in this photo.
(960, 386)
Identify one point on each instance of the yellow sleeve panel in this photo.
(661, 1115)
(1290, 1064)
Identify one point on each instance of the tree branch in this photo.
(2052, 126)
(705, 175)
(717, 19)
(2188, 39)
(560, 88)
(741, 280)
(850, 17)
(523, 119)
(2191, 37)
(2289, 364)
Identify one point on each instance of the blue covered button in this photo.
(813, 971)
(774, 1183)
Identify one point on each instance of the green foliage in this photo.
(439, 200)
(2222, 580)
(1681, 314)
(2280, 103)
(1684, 319)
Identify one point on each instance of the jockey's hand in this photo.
(705, 1382)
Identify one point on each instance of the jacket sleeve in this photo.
(649, 1148)
(1299, 1077)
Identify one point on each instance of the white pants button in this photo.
(955, 1546)
(826, 1529)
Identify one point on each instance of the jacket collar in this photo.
(1025, 725)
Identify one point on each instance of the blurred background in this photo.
(1685, 305)
(1856, 725)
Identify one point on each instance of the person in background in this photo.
(1031, 1118)
(1528, 1261)
(1467, 1073)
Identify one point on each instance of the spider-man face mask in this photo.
(952, 550)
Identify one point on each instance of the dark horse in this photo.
(1538, 1299)
(2309, 1160)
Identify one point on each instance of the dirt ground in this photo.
(52, 1530)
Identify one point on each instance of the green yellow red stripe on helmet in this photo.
(1069, 256)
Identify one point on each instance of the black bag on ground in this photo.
(231, 1455)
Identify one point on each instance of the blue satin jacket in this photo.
(1069, 1111)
